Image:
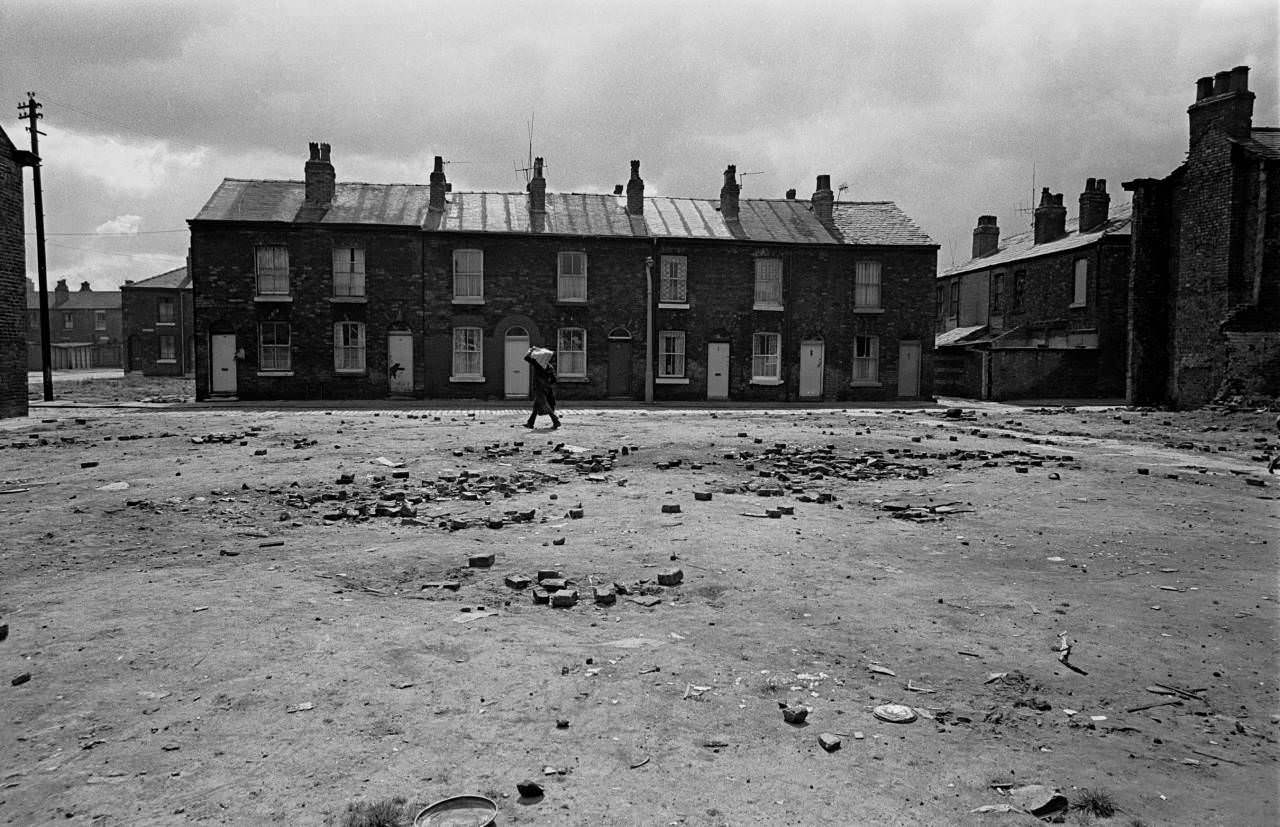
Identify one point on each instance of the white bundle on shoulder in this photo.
(541, 355)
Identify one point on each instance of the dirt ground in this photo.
(254, 630)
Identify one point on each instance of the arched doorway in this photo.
(515, 370)
(619, 385)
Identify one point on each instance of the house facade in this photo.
(158, 321)
(13, 316)
(85, 327)
(313, 289)
(1205, 271)
(1043, 313)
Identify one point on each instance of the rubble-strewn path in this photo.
(250, 616)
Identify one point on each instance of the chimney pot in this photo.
(986, 236)
(318, 176)
(635, 191)
(823, 201)
(537, 189)
(617, 189)
(1221, 83)
(1094, 205)
(1050, 218)
(85, 288)
(1240, 79)
(438, 187)
(1204, 88)
(791, 195)
(729, 193)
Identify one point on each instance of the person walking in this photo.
(542, 380)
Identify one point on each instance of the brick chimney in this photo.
(537, 189)
(85, 288)
(1223, 102)
(729, 193)
(791, 195)
(986, 236)
(319, 177)
(1050, 217)
(635, 191)
(439, 186)
(823, 199)
(1095, 204)
(60, 292)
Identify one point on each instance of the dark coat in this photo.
(542, 387)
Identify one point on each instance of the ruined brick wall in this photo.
(224, 295)
(13, 288)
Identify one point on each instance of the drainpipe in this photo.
(648, 329)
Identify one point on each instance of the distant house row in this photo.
(1172, 300)
(318, 289)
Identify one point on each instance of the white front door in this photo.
(811, 363)
(222, 363)
(908, 369)
(718, 370)
(516, 369)
(400, 362)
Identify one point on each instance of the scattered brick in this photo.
(517, 581)
(829, 742)
(670, 508)
(480, 561)
(565, 598)
(604, 595)
(670, 577)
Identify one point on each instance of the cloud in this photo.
(120, 225)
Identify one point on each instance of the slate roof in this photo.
(88, 300)
(876, 222)
(956, 335)
(1266, 142)
(177, 278)
(1022, 246)
(575, 214)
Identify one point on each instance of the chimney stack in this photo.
(60, 292)
(823, 200)
(438, 186)
(729, 194)
(1095, 204)
(1050, 217)
(537, 189)
(319, 177)
(635, 191)
(791, 195)
(986, 236)
(1223, 102)
(85, 288)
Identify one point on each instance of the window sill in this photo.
(348, 300)
(765, 381)
(165, 324)
(868, 311)
(763, 306)
(271, 373)
(671, 380)
(349, 372)
(571, 301)
(1078, 306)
(673, 305)
(468, 299)
(471, 379)
(866, 383)
(273, 298)
(166, 361)
(572, 380)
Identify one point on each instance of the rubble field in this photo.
(966, 615)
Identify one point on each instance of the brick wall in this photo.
(1031, 373)
(13, 287)
(142, 330)
(224, 294)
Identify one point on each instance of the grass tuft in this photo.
(390, 812)
(1094, 802)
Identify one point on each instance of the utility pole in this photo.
(31, 112)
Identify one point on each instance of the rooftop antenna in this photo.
(840, 190)
(742, 175)
(1031, 209)
(527, 169)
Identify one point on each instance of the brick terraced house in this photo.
(1043, 313)
(85, 328)
(317, 289)
(159, 325)
(1205, 300)
(13, 266)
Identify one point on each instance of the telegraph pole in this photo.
(31, 112)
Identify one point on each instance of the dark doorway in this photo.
(619, 364)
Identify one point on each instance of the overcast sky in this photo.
(943, 107)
